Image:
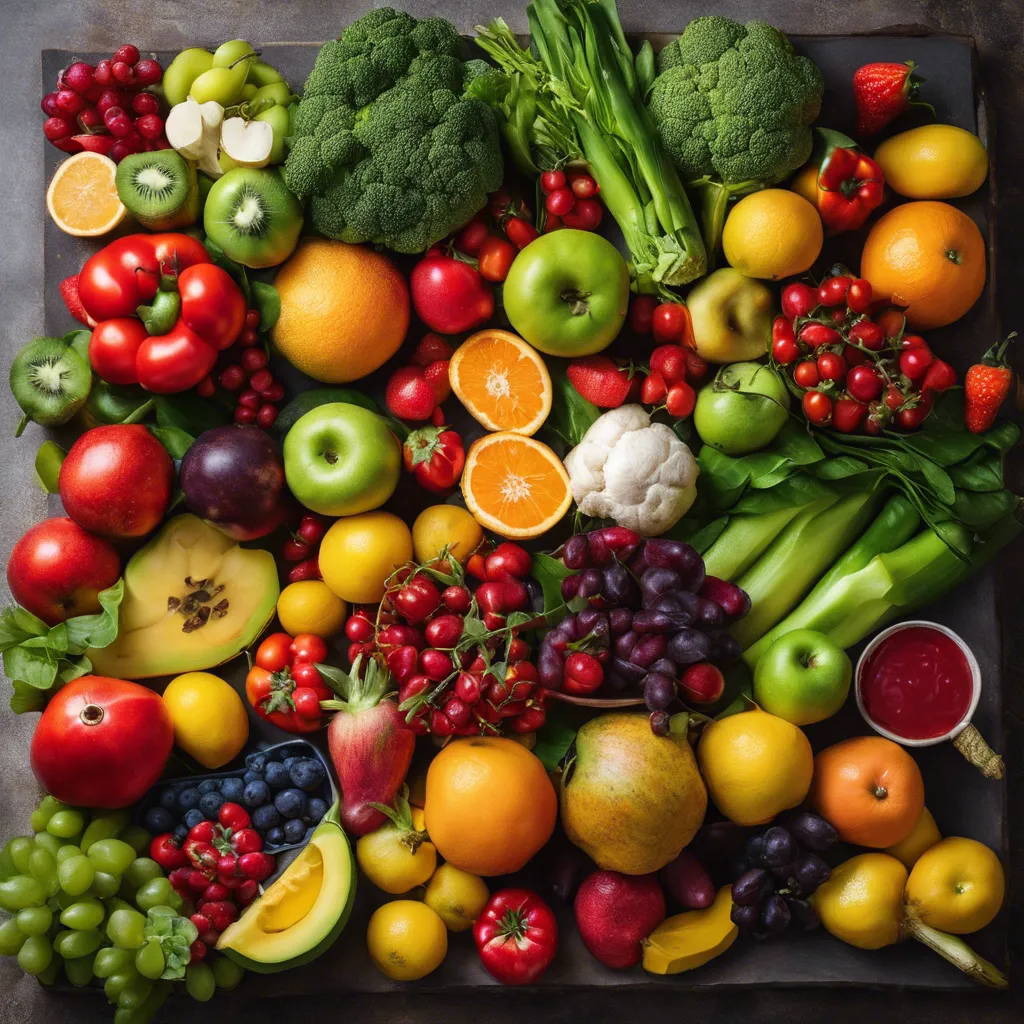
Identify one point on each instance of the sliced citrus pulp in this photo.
(502, 381)
(515, 485)
(82, 199)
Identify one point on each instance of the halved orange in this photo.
(502, 381)
(515, 485)
(82, 198)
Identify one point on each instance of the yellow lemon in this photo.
(397, 857)
(209, 717)
(359, 553)
(935, 161)
(457, 896)
(862, 902)
(923, 836)
(772, 234)
(442, 526)
(310, 606)
(957, 886)
(755, 765)
(406, 940)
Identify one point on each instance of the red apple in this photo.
(117, 481)
(615, 913)
(57, 570)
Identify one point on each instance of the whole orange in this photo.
(344, 310)
(490, 805)
(870, 789)
(928, 257)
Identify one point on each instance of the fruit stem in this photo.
(956, 951)
(972, 745)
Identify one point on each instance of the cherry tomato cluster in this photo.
(285, 687)
(302, 547)
(103, 109)
(415, 392)
(461, 666)
(570, 200)
(854, 372)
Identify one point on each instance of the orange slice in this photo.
(515, 485)
(82, 199)
(502, 381)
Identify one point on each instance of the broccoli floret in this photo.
(388, 147)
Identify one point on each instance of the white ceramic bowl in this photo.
(975, 684)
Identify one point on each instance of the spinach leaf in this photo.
(571, 414)
(267, 302)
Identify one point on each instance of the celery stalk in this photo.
(894, 526)
(746, 538)
(798, 557)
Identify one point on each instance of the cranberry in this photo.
(128, 54)
(148, 72)
(79, 77)
(102, 74)
(244, 415)
(266, 415)
(254, 359)
(124, 74)
(232, 378)
(150, 126)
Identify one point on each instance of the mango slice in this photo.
(690, 939)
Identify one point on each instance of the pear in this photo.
(279, 120)
(278, 92)
(183, 71)
(261, 74)
(247, 143)
(228, 53)
(223, 85)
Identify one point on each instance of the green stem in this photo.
(956, 951)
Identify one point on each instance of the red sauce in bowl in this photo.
(916, 683)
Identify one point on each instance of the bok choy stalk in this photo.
(798, 557)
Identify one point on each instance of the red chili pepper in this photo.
(850, 184)
(516, 936)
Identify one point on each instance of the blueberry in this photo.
(315, 810)
(307, 773)
(289, 761)
(169, 799)
(193, 817)
(294, 830)
(291, 803)
(188, 799)
(159, 819)
(274, 837)
(208, 786)
(277, 776)
(265, 818)
(210, 804)
(232, 789)
(256, 794)
(181, 833)
(252, 776)
(256, 762)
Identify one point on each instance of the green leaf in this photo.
(74, 668)
(100, 629)
(554, 738)
(17, 625)
(26, 698)
(571, 414)
(174, 439)
(236, 270)
(549, 573)
(188, 412)
(34, 666)
(267, 302)
(49, 458)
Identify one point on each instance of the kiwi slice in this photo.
(50, 381)
(160, 189)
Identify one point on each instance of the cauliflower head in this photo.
(634, 471)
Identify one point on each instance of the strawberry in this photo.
(437, 377)
(430, 349)
(69, 293)
(409, 395)
(601, 381)
(986, 386)
(881, 92)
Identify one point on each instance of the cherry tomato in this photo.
(307, 702)
(435, 665)
(417, 599)
(914, 362)
(798, 299)
(867, 333)
(495, 258)
(864, 383)
(696, 367)
(308, 648)
(910, 417)
(670, 362)
(559, 202)
(894, 398)
(520, 232)
(113, 349)
(653, 389)
(858, 296)
(848, 414)
(817, 407)
(831, 366)
(306, 674)
(892, 322)
(585, 215)
(508, 559)
(472, 236)
(583, 186)
(939, 377)
(582, 675)
(817, 335)
(912, 341)
(212, 304)
(552, 181)
(641, 313)
(785, 351)
(854, 356)
(832, 291)
(669, 323)
(274, 653)
(806, 374)
(680, 400)
(450, 296)
(877, 419)
(173, 362)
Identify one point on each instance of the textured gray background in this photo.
(28, 26)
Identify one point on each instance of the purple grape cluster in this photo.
(780, 868)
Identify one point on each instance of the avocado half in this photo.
(302, 913)
(193, 599)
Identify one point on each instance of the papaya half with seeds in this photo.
(193, 599)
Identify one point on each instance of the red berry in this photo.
(552, 181)
(440, 724)
(702, 683)
(670, 362)
(641, 313)
(653, 389)
(266, 415)
(205, 387)
(806, 374)
(798, 300)
(261, 380)
(107, 99)
(79, 76)
(232, 378)
(868, 334)
(254, 359)
(69, 102)
(586, 215)
(56, 129)
(431, 349)
(817, 407)
(248, 337)
(250, 399)
(252, 319)
(197, 951)
(127, 53)
(785, 351)
(858, 297)
(468, 687)
(456, 599)
(359, 628)
(669, 321)
(529, 720)
(307, 570)
(148, 72)
(49, 105)
(244, 415)
(90, 118)
(914, 362)
(101, 74)
(559, 202)
(817, 335)
(680, 400)
(832, 291)
(311, 529)
(150, 126)
(408, 395)
(864, 383)
(123, 73)
(117, 121)
(831, 366)
(436, 375)
(583, 186)
(582, 674)
(435, 665)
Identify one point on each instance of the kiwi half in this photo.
(50, 381)
(160, 189)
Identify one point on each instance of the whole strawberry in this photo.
(409, 395)
(986, 386)
(599, 379)
(882, 92)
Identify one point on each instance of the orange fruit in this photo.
(502, 381)
(515, 485)
(928, 257)
(82, 198)
(870, 789)
(344, 310)
(490, 805)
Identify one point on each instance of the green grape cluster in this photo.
(81, 895)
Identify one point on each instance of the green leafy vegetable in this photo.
(267, 302)
(175, 935)
(571, 414)
(554, 738)
(175, 440)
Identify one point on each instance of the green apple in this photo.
(731, 315)
(341, 459)
(742, 409)
(804, 677)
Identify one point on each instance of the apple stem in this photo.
(972, 745)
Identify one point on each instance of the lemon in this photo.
(443, 526)
(935, 161)
(397, 859)
(755, 765)
(924, 836)
(862, 901)
(772, 234)
(209, 717)
(457, 896)
(310, 606)
(359, 553)
(406, 940)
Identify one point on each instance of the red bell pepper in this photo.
(849, 184)
(516, 936)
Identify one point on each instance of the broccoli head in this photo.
(387, 146)
(734, 103)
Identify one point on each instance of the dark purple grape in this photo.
(674, 554)
(570, 586)
(688, 646)
(666, 667)
(625, 643)
(659, 691)
(709, 614)
(745, 918)
(725, 649)
(590, 583)
(649, 621)
(589, 620)
(775, 914)
(614, 680)
(660, 723)
(803, 913)
(619, 587)
(575, 554)
(630, 672)
(753, 849)
(680, 603)
(812, 830)
(620, 621)
(648, 650)
(637, 563)
(810, 871)
(751, 887)
(550, 667)
(656, 582)
(779, 848)
(600, 553)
